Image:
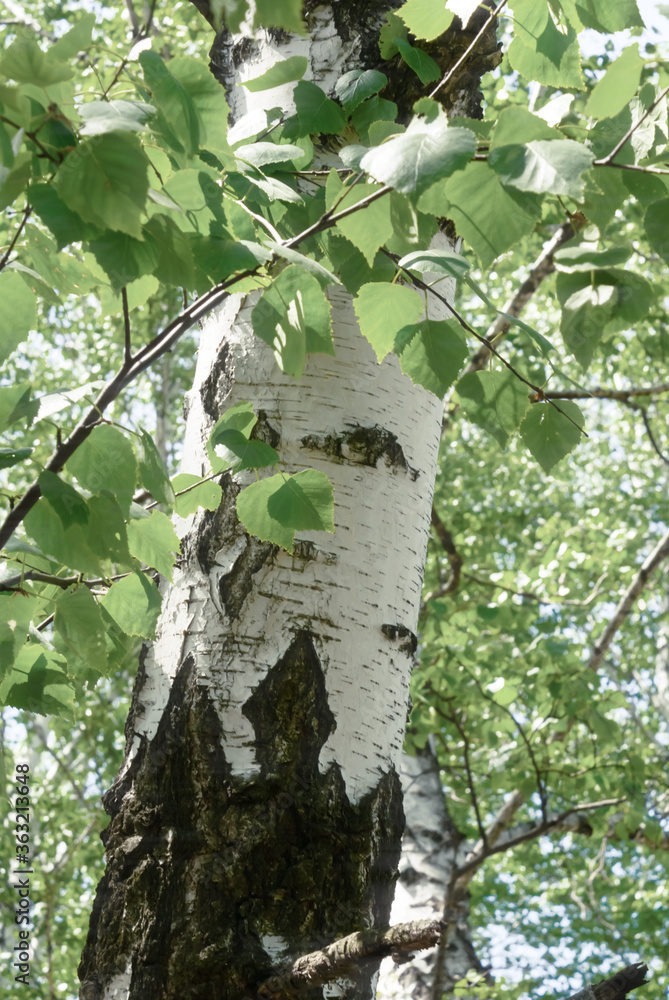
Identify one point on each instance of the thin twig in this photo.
(465, 55)
(419, 283)
(26, 215)
(649, 432)
(127, 353)
(470, 778)
(608, 160)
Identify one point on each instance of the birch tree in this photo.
(257, 815)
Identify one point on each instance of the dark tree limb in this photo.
(616, 987)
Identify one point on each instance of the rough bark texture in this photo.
(258, 814)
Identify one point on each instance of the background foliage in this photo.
(117, 174)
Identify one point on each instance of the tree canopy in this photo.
(131, 209)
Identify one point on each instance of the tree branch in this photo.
(622, 395)
(345, 956)
(647, 568)
(542, 267)
(529, 831)
(454, 558)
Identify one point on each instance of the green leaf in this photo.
(596, 302)
(207, 495)
(175, 264)
(123, 258)
(618, 85)
(316, 112)
(549, 435)
(153, 474)
(220, 258)
(517, 124)
(38, 683)
(70, 506)
(78, 38)
(432, 354)
(444, 262)
(423, 65)
(105, 181)
(495, 400)
(25, 62)
(293, 317)
(490, 217)
(373, 110)
(656, 224)
(107, 534)
(357, 85)
(69, 546)
(274, 509)
(12, 456)
(16, 613)
(286, 14)
(13, 182)
(138, 292)
(105, 461)
(391, 29)
(18, 314)
(110, 116)
(134, 604)
(154, 541)
(79, 622)
(177, 120)
(67, 226)
(284, 71)
(241, 453)
(16, 404)
(367, 229)
(543, 52)
(383, 310)
(207, 98)
(604, 16)
(425, 19)
(324, 276)
(259, 154)
(586, 257)
(426, 152)
(550, 166)
(240, 417)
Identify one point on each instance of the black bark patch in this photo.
(202, 864)
(235, 586)
(362, 446)
(214, 530)
(289, 711)
(406, 640)
(216, 386)
(264, 431)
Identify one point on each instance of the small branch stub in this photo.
(346, 954)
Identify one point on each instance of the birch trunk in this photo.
(258, 815)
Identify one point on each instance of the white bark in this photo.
(368, 575)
